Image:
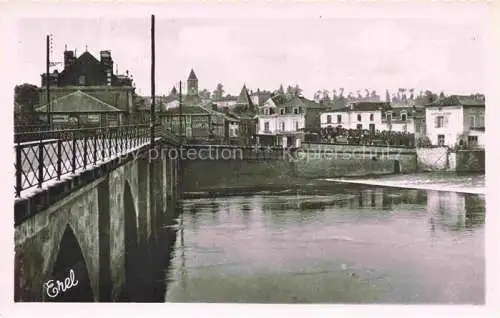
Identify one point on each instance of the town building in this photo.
(260, 97)
(245, 111)
(201, 124)
(374, 116)
(226, 102)
(281, 122)
(85, 78)
(83, 110)
(456, 120)
(201, 121)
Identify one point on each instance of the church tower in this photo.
(192, 84)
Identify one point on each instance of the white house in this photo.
(281, 122)
(456, 119)
(371, 116)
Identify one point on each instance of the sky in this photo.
(440, 52)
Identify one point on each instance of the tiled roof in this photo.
(311, 104)
(78, 102)
(363, 106)
(188, 110)
(370, 106)
(217, 113)
(455, 100)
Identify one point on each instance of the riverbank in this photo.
(442, 181)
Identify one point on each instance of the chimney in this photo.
(107, 63)
(69, 58)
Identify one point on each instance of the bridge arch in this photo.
(70, 257)
(131, 243)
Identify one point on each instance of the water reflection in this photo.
(355, 245)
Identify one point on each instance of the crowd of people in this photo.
(362, 137)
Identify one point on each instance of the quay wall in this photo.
(292, 168)
(445, 159)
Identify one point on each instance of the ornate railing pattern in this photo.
(56, 153)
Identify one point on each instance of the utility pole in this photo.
(181, 132)
(152, 115)
(47, 83)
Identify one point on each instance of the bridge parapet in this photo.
(55, 153)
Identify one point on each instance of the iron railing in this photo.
(56, 153)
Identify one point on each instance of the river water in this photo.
(353, 243)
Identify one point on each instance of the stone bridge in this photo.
(100, 224)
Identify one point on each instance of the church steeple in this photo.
(173, 92)
(192, 84)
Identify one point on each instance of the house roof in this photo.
(188, 110)
(217, 113)
(227, 98)
(173, 92)
(363, 106)
(460, 100)
(262, 96)
(244, 97)
(311, 104)
(78, 102)
(370, 106)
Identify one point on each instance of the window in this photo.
(441, 140)
(283, 126)
(339, 119)
(481, 121)
(359, 126)
(266, 126)
(439, 122)
(472, 140)
(236, 131)
(296, 126)
(282, 111)
(295, 111)
(371, 117)
(328, 119)
(81, 80)
(403, 117)
(266, 111)
(359, 117)
(388, 116)
(472, 120)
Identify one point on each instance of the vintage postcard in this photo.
(270, 153)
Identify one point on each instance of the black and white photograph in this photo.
(333, 157)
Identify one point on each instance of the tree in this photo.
(298, 90)
(281, 91)
(293, 91)
(26, 95)
(317, 96)
(219, 92)
(423, 142)
(205, 94)
(387, 96)
(441, 95)
(429, 97)
(326, 97)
